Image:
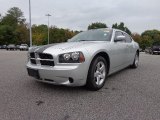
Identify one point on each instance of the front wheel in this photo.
(97, 74)
(136, 61)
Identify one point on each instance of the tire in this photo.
(136, 61)
(97, 74)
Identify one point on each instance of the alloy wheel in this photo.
(100, 73)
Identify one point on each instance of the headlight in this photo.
(75, 56)
(72, 57)
(66, 57)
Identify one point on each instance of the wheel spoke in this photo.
(98, 66)
(98, 80)
(102, 76)
(100, 73)
(96, 74)
(102, 68)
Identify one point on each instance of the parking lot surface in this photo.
(131, 94)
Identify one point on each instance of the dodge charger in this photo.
(87, 59)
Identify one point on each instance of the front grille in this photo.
(45, 56)
(41, 59)
(32, 55)
(47, 63)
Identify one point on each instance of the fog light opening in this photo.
(71, 80)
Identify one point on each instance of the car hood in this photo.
(67, 46)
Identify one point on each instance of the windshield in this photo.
(93, 35)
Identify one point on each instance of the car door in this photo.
(118, 52)
(130, 48)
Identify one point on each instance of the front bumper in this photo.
(62, 74)
(156, 51)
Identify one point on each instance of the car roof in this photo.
(110, 29)
(100, 29)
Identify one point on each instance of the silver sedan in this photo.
(86, 59)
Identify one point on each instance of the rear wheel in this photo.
(97, 74)
(136, 61)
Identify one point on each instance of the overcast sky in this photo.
(138, 15)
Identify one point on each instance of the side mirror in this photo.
(119, 38)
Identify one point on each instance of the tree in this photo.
(22, 34)
(122, 27)
(60, 34)
(13, 17)
(137, 37)
(147, 38)
(57, 35)
(154, 36)
(152, 33)
(97, 25)
(39, 34)
(14, 22)
(115, 25)
(7, 34)
(0, 18)
(143, 42)
(146, 42)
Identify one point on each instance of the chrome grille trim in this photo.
(40, 59)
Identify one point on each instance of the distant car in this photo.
(23, 47)
(17, 47)
(33, 46)
(155, 49)
(11, 47)
(147, 50)
(3, 46)
(86, 59)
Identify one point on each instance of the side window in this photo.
(118, 33)
(128, 38)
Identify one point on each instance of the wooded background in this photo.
(15, 30)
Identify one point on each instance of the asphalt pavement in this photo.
(131, 94)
